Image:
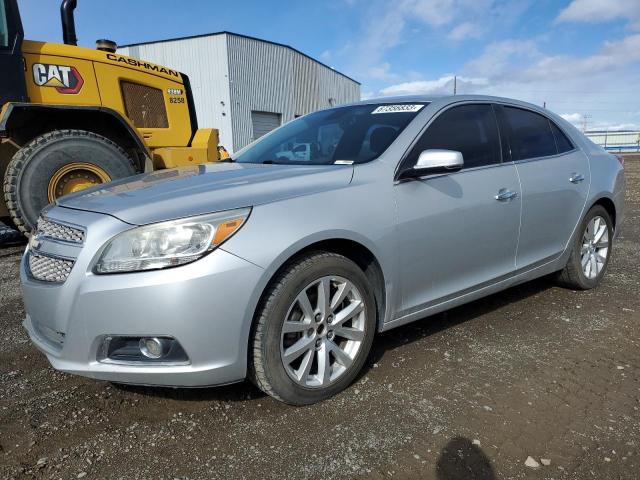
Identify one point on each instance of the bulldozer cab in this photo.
(12, 79)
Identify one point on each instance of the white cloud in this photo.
(575, 118)
(614, 127)
(499, 58)
(382, 72)
(523, 62)
(600, 85)
(386, 26)
(439, 86)
(465, 30)
(596, 11)
(580, 122)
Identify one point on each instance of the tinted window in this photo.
(562, 142)
(357, 134)
(531, 134)
(4, 29)
(469, 129)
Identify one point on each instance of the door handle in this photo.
(504, 195)
(576, 178)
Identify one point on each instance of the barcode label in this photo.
(397, 108)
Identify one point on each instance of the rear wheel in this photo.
(56, 164)
(314, 330)
(590, 252)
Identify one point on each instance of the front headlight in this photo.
(169, 244)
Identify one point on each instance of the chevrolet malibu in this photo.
(281, 267)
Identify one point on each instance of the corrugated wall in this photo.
(273, 78)
(232, 75)
(204, 60)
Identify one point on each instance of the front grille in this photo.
(57, 231)
(144, 105)
(49, 269)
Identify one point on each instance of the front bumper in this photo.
(207, 306)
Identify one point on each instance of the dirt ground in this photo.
(536, 371)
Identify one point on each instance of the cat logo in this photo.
(63, 78)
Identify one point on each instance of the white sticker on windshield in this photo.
(397, 108)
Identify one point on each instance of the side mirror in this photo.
(434, 162)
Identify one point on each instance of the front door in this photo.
(458, 231)
(12, 79)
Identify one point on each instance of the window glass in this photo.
(469, 129)
(357, 133)
(4, 29)
(531, 134)
(562, 142)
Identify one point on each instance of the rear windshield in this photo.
(353, 134)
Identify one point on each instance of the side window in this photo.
(531, 134)
(469, 129)
(562, 142)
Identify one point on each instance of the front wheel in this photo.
(590, 252)
(314, 329)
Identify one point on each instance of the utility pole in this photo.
(455, 84)
(585, 120)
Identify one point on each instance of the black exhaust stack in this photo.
(68, 22)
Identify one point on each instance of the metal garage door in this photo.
(264, 122)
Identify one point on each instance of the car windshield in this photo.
(353, 134)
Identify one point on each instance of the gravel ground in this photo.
(535, 371)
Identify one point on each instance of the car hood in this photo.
(182, 192)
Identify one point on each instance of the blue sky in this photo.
(581, 57)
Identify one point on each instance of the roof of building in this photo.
(225, 32)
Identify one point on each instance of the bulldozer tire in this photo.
(56, 164)
(9, 236)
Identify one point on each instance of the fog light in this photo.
(153, 347)
(141, 350)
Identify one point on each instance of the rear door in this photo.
(458, 231)
(555, 182)
(12, 79)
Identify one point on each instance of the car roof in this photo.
(444, 99)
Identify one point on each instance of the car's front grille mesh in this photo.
(57, 231)
(49, 269)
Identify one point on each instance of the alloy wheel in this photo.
(595, 247)
(323, 331)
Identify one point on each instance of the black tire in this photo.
(32, 167)
(573, 276)
(266, 369)
(9, 236)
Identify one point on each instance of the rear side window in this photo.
(562, 142)
(531, 134)
(469, 129)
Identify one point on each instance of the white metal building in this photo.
(616, 141)
(246, 87)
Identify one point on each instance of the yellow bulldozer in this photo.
(73, 117)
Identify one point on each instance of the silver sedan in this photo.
(282, 264)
